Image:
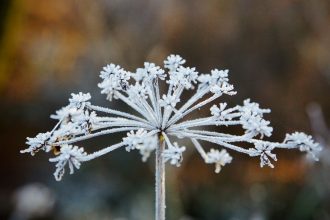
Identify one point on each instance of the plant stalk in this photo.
(160, 181)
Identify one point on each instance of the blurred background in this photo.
(278, 54)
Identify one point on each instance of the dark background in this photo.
(278, 54)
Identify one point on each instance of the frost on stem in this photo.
(161, 115)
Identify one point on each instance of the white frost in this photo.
(161, 116)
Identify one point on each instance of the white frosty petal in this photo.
(141, 141)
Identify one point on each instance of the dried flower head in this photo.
(160, 118)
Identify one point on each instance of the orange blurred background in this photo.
(278, 54)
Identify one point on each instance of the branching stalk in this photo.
(160, 181)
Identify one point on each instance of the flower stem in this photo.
(160, 181)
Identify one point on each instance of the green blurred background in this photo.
(278, 54)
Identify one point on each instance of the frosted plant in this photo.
(159, 124)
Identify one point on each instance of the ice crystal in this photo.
(161, 118)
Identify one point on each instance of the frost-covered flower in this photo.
(66, 113)
(304, 142)
(263, 149)
(219, 158)
(252, 108)
(147, 147)
(71, 155)
(223, 89)
(79, 100)
(141, 141)
(220, 113)
(219, 76)
(256, 125)
(169, 100)
(183, 76)
(109, 70)
(114, 79)
(174, 154)
(160, 120)
(252, 121)
(134, 139)
(149, 72)
(173, 62)
(138, 91)
(40, 142)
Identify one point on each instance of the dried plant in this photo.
(160, 120)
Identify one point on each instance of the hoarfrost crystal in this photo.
(161, 118)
